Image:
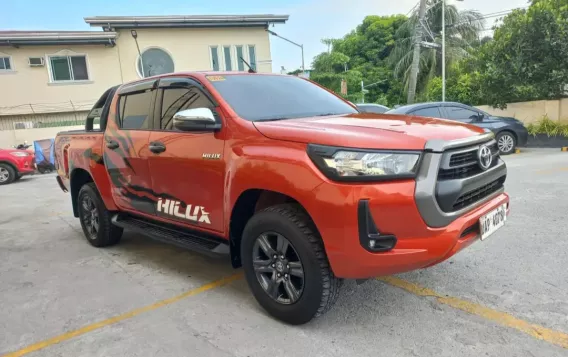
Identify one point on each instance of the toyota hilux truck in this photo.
(285, 178)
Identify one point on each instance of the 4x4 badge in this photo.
(484, 157)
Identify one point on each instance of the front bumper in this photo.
(419, 235)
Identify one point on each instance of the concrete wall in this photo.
(529, 112)
(27, 85)
(189, 48)
(14, 137)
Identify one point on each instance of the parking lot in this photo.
(506, 296)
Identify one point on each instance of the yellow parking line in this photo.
(97, 325)
(539, 332)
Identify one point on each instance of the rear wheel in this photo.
(7, 174)
(506, 142)
(96, 219)
(286, 266)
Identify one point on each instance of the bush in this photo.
(549, 127)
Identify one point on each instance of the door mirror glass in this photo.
(196, 119)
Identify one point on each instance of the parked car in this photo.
(301, 196)
(509, 132)
(372, 108)
(14, 164)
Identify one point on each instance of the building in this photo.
(50, 78)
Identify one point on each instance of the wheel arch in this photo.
(509, 131)
(14, 167)
(247, 204)
(78, 178)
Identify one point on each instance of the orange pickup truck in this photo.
(284, 177)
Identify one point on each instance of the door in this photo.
(126, 147)
(187, 168)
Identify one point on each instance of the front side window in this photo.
(274, 97)
(461, 114)
(134, 110)
(155, 61)
(5, 64)
(68, 68)
(432, 112)
(178, 99)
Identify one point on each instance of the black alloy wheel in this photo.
(90, 216)
(278, 267)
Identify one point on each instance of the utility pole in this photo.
(416, 55)
(443, 50)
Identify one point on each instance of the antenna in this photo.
(248, 65)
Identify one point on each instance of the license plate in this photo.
(492, 221)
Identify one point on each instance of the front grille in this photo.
(465, 164)
(459, 172)
(463, 158)
(478, 194)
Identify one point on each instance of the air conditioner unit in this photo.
(36, 61)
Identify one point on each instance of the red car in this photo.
(14, 164)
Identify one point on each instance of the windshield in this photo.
(272, 97)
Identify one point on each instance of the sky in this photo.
(310, 20)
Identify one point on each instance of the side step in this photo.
(166, 233)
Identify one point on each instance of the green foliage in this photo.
(364, 53)
(549, 127)
(527, 59)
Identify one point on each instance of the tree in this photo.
(527, 59)
(462, 30)
(361, 55)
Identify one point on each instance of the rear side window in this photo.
(432, 112)
(134, 110)
(178, 99)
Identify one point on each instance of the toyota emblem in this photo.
(484, 156)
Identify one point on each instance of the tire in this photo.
(91, 208)
(506, 142)
(7, 174)
(320, 288)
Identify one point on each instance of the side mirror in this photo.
(197, 119)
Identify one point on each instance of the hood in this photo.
(370, 131)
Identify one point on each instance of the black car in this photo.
(372, 108)
(509, 132)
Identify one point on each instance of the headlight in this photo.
(20, 153)
(342, 164)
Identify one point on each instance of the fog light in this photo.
(372, 244)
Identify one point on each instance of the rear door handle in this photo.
(111, 144)
(157, 147)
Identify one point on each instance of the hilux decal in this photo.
(176, 209)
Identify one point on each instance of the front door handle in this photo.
(157, 147)
(111, 144)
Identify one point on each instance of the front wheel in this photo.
(95, 218)
(506, 142)
(285, 265)
(7, 174)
